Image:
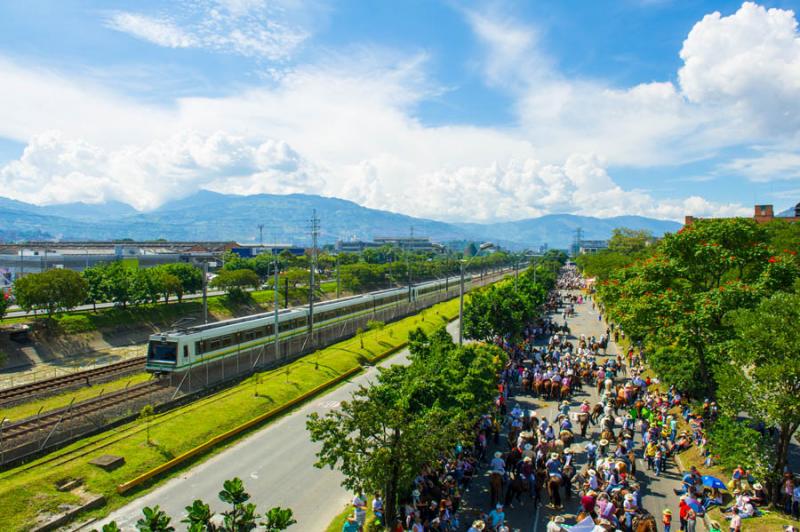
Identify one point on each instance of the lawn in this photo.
(28, 490)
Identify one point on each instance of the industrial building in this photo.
(412, 243)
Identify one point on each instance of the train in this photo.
(180, 349)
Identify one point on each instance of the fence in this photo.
(203, 379)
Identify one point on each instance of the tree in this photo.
(118, 283)
(154, 520)
(95, 285)
(5, 299)
(190, 277)
(763, 376)
(627, 241)
(413, 414)
(168, 283)
(278, 519)
(52, 290)
(235, 281)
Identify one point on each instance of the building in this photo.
(247, 250)
(586, 247)
(411, 243)
(764, 214)
(35, 257)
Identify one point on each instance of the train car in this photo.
(183, 348)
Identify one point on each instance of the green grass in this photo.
(25, 491)
(337, 522)
(24, 410)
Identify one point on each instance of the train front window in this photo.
(163, 351)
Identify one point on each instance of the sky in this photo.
(457, 111)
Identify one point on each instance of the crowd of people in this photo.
(585, 451)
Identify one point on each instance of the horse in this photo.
(554, 491)
(546, 384)
(583, 421)
(597, 411)
(515, 489)
(538, 387)
(566, 390)
(644, 522)
(495, 487)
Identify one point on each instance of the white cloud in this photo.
(55, 169)
(252, 28)
(748, 62)
(160, 32)
(346, 127)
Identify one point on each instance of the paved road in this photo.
(275, 464)
(657, 491)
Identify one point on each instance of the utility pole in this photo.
(337, 276)
(261, 235)
(461, 308)
(516, 272)
(408, 263)
(205, 291)
(275, 328)
(314, 235)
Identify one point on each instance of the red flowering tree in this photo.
(679, 297)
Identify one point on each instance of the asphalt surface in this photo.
(657, 491)
(275, 463)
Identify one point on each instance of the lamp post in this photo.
(276, 293)
(461, 307)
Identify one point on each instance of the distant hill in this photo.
(212, 216)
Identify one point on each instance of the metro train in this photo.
(178, 350)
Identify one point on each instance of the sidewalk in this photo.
(657, 492)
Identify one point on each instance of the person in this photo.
(759, 497)
(350, 525)
(683, 509)
(555, 524)
(714, 526)
(666, 519)
(691, 521)
(497, 517)
(736, 521)
(629, 506)
(377, 507)
(360, 509)
(477, 526)
(796, 501)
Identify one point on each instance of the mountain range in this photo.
(209, 215)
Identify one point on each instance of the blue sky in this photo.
(456, 111)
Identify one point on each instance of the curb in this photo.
(166, 466)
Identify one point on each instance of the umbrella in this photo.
(713, 482)
(695, 505)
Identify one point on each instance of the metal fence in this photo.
(201, 380)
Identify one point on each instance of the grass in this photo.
(15, 413)
(28, 490)
(337, 522)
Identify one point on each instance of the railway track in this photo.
(20, 393)
(47, 421)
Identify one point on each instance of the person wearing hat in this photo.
(498, 464)
(497, 517)
(630, 509)
(350, 524)
(477, 526)
(666, 519)
(714, 526)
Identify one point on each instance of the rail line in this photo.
(32, 390)
(48, 420)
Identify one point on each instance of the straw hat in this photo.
(498, 454)
(757, 486)
(667, 511)
(480, 525)
(592, 473)
(603, 442)
(554, 456)
(559, 519)
(527, 459)
(628, 496)
(567, 451)
(565, 403)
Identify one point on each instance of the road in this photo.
(276, 464)
(657, 491)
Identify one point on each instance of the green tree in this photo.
(191, 277)
(381, 438)
(51, 291)
(630, 241)
(278, 519)
(154, 520)
(118, 283)
(763, 376)
(235, 281)
(95, 285)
